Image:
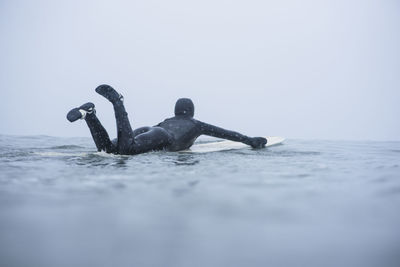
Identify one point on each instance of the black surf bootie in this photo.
(80, 113)
(109, 93)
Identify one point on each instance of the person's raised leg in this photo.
(124, 129)
(100, 136)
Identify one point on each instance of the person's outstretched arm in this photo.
(211, 130)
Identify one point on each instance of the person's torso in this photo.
(184, 131)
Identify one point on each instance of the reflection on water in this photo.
(179, 159)
(186, 159)
(102, 159)
(99, 159)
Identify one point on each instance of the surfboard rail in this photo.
(229, 145)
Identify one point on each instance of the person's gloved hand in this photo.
(257, 142)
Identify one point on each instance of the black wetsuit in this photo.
(173, 134)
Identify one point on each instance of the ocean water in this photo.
(303, 203)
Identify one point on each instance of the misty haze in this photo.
(319, 80)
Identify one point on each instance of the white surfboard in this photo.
(229, 145)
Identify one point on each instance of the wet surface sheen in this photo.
(304, 203)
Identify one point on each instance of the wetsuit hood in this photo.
(184, 106)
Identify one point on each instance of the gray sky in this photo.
(299, 69)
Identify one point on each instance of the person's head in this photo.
(185, 107)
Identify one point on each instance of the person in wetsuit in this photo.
(173, 134)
